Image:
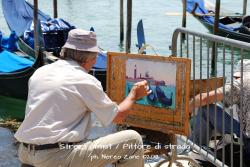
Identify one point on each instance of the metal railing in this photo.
(214, 56)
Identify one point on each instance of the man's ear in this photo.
(87, 60)
(83, 64)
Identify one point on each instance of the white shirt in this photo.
(61, 98)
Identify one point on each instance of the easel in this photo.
(201, 87)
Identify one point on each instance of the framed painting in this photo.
(166, 108)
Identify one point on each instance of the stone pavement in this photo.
(8, 149)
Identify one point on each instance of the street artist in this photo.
(57, 121)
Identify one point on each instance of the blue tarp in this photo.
(202, 10)
(49, 28)
(19, 15)
(101, 61)
(10, 62)
(8, 43)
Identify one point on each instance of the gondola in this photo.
(15, 84)
(15, 70)
(19, 17)
(233, 26)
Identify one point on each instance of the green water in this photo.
(11, 108)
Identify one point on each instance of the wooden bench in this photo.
(203, 85)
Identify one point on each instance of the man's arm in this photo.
(139, 90)
(204, 99)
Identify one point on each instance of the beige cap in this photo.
(82, 40)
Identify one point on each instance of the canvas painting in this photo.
(166, 108)
(161, 78)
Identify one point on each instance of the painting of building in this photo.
(161, 78)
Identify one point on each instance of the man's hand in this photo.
(139, 90)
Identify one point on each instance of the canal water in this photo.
(104, 17)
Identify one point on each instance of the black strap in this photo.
(46, 146)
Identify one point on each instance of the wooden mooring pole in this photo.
(55, 8)
(36, 44)
(121, 22)
(184, 17)
(244, 7)
(129, 25)
(216, 27)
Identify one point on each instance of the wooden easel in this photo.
(163, 120)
